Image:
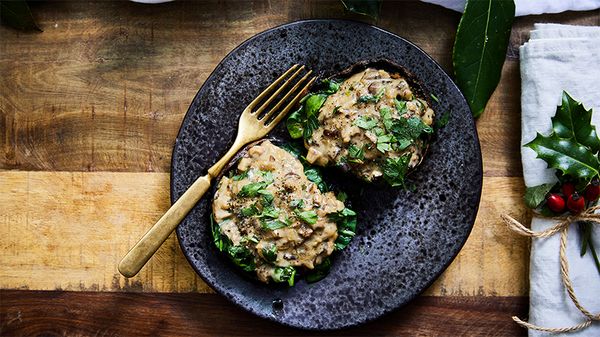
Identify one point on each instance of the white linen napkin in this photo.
(557, 58)
(527, 7)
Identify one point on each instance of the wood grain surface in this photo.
(68, 231)
(89, 111)
(115, 314)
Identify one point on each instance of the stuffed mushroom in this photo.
(374, 123)
(274, 221)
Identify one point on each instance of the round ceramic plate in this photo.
(405, 239)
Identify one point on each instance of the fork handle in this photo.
(137, 257)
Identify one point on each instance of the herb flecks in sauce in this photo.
(273, 217)
(373, 125)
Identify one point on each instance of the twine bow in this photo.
(562, 227)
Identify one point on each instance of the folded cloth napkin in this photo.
(526, 7)
(557, 58)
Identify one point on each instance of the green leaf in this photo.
(240, 176)
(394, 170)
(302, 122)
(270, 212)
(295, 123)
(371, 98)
(365, 122)
(16, 14)
(242, 257)
(270, 253)
(384, 143)
(273, 224)
(284, 274)
(346, 222)
(249, 211)
(314, 174)
(331, 86)
(356, 154)
(365, 7)
(566, 155)
(534, 196)
(221, 241)
(400, 106)
(480, 49)
(310, 217)
(252, 189)
(573, 121)
(321, 270)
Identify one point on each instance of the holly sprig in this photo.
(572, 149)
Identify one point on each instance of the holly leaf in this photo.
(566, 155)
(534, 196)
(572, 120)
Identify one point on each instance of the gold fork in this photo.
(253, 125)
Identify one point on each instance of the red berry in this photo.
(568, 189)
(556, 203)
(592, 191)
(575, 203)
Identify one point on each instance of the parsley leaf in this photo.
(273, 224)
(384, 143)
(401, 106)
(284, 274)
(394, 170)
(346, 221)
(310, 217)
(242, 257)
(249, 211)
(365, 122)
(252, 189)
(269, 253)
(240, 176)
(356, 154)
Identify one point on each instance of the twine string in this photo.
(563, 227)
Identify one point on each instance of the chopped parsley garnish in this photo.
(384, 143)
(297, 203)
(356, 154)
(242, 257)
(284, 274)
(371, 98)
(346, 221)
(249, 211)
(401, 106)
(365, 122)
(273, 224)
(253, 189)
(310, 217)
(270, 253)
(435, 98)
(395, 169)
(240, 176)
(270, 212)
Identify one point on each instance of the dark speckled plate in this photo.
(404, 239)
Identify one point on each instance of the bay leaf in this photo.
(365, 7)
(480, 49)
(16, 14)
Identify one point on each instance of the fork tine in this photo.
(277, 92)
(288, 107)
(287, 95)
(271, 86)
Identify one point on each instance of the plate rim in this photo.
(386, 312)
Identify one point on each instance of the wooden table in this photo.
(89, 111)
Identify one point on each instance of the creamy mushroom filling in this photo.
(270, 218)
(372, 124)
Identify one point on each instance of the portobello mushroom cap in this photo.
(271, 218)
(376, 125)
